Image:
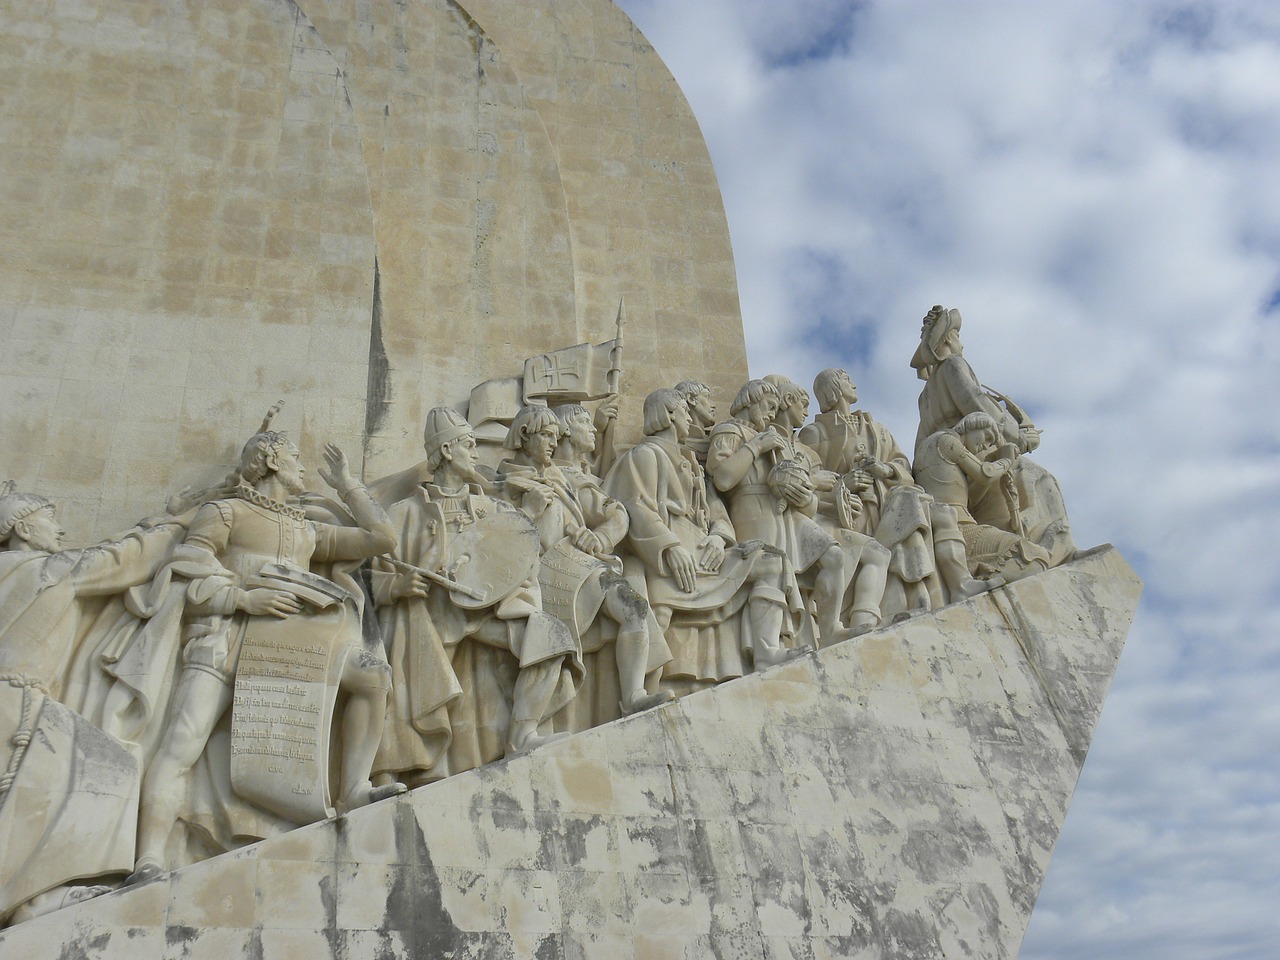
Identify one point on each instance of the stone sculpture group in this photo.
(260, 658)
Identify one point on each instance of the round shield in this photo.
(491, 557)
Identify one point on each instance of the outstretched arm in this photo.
(374, 536)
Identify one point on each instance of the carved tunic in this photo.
(841, 440)
(241, 536)
(951, 392)
(666, 494)
(570, 579)
(449, 707)
(896, 511)
(953, 475)
(757, 512)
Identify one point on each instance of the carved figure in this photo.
(926, 548)
(477, 665)
(702, 415)
(248, 561)
(769, 486)
(724, 605)
(959, 467)
(68, 791)
(838, 514)
(581, 578)
(1033, 507)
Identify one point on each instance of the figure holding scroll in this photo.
(257, 608)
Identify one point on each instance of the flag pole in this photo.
(605, 452)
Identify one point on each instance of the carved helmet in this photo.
(16, 506)
(939, 323)
(444, 425)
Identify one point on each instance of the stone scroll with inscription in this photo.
(286, 687)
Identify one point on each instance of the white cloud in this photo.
(1093, 184)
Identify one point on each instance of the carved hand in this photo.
(712, 554)
(824, 480)
(181, 501)
(766, 441)
(997, 468)
(607, 411)
(263, 602)
(588, 542)
(796, 492)
(857, 480)
(682, 567)
(336, 472)
(411, 584)
(537, 498)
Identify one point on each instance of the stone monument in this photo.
(584, 671)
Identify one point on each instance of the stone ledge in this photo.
(896, 795)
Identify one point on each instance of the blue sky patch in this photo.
(831, 35)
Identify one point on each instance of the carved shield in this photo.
(492, 556)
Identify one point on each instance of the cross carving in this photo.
(554, 371)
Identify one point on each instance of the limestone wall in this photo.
(363, 208)
(897, 795)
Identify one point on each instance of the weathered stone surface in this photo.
(365, 208)
(898, 794)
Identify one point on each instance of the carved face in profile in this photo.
(540, 445)
(848, 389)
(702, 410)
(287, 464)
(40, 530)
(681, 421)
(762, 412)
(581, 432)
(981, 443)
(795, 411)
(461, 453)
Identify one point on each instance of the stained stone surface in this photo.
(365, 208)
(897, 795)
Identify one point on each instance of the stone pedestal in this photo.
(898, 794)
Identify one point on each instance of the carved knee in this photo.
(768, 593)
(875, 555)
(625, 604)
(367, 673)
(770, 566)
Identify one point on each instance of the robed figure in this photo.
(725, 606)
(68, 791)
(477, 666)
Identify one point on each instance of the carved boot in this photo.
(525, 737)
(641, 701)
(365, 793)
(972, 587)
(148, 868)
(862, 621)
(772, 656)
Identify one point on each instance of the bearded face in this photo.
(41, 530)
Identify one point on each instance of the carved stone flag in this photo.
(571, 374)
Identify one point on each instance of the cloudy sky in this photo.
(1096, 185)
